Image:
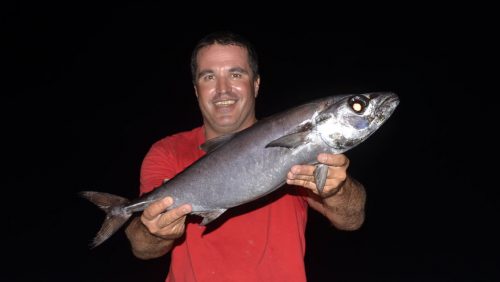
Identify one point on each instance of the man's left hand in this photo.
(303, 175)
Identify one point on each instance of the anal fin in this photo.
(209, 216)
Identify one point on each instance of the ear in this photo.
(256, 85)
(195, 91)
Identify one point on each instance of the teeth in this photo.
(225, 103)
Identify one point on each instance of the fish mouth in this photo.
(389, 103)
(386, 108)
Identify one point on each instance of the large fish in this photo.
(247, 165)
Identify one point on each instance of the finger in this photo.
(156, 208)
(338, 173)
(304, 183)
(173, 215)
(305, 170)
(173, 230)
(293, 176)
(330, 184)
(336, 160)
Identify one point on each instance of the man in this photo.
(263, 241)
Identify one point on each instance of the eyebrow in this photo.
(204, 72)
(231, 70)
(238, 69)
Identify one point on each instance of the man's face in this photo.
(226, 89)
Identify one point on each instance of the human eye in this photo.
(236, 75)
(208, 77)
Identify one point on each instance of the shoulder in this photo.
(180, 139)
(168, 156)
(178, 144)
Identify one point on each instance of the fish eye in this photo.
(358, 103)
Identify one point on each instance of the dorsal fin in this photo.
(214, 143)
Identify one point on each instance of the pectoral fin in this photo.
(214, 143)
(291, 141)
(320, 174)
(209, 216)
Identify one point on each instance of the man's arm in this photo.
(154, 233)
(343, 198)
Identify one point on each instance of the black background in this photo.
(88, 87)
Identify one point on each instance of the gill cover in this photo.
(342, 124)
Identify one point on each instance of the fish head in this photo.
(348, 120)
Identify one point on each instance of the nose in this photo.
(222, 86)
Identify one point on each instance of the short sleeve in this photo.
(157, 166)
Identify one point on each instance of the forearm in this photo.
(345, 209)
(144, 244)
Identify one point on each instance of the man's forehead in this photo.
(228, 56)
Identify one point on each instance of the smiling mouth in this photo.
(225, 103)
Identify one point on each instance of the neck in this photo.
(211, 133)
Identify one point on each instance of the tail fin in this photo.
(115, 216)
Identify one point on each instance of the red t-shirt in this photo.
(260, 241)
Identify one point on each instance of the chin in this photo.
(226, 123)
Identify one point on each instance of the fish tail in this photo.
(116, 216)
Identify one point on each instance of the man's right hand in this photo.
(168, 225)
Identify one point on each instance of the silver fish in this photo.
(247, 165)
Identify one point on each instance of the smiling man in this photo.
(262, 241)
(226, 88)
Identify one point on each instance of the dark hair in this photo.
(226, 38)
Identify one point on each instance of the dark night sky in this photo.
(89, 87)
